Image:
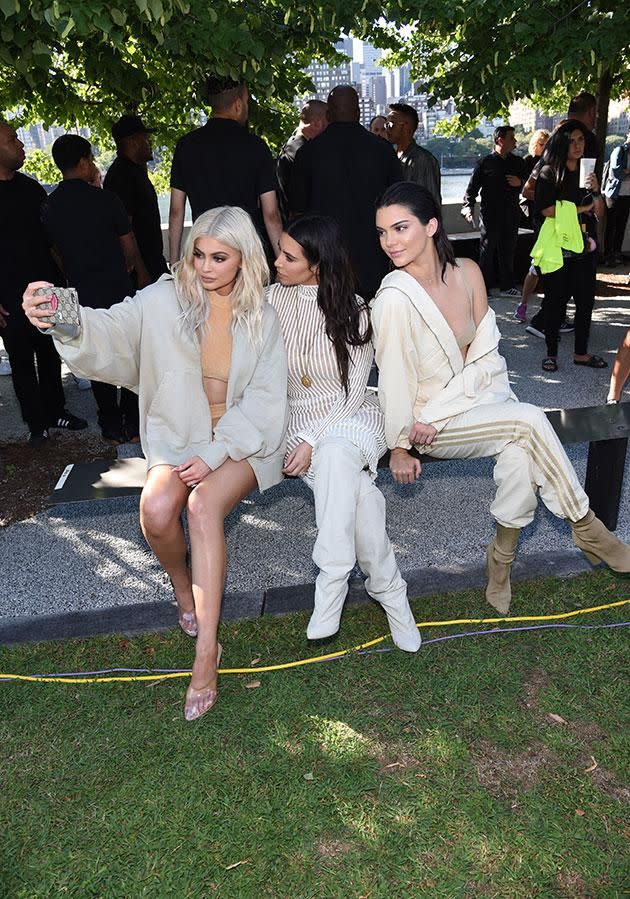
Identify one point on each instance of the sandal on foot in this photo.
(593, 362)
(187, 620)
(188, 623)
(550, 364)
(199, 702)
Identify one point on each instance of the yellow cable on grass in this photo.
(300, 662)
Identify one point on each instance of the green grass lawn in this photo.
(461, 771)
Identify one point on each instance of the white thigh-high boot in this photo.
(334, 479)
(376, 557)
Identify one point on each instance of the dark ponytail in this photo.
(422, 205)
(324, 246)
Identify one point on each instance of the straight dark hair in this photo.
(556, 150)
(324, 246)
(422, 205)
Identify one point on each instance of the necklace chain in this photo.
(305, 357)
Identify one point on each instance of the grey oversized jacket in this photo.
(143, 344)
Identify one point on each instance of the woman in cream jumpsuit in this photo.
(444, 388)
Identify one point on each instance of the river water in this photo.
(453, 187)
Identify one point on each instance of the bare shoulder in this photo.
(471, 273)
(470, 270)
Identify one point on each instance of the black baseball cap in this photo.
(128, 125)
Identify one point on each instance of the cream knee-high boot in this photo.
(599, 545)
(500, 555)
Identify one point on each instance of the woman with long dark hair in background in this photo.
(335, 435)
(558, 181)
(444, 388)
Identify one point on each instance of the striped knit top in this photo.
(318, 405)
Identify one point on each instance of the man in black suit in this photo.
(342, 173)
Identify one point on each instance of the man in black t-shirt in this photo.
(91, 232)
(24, 257)
(500, 178)
(222, 164)
(342, 173)
(128, 177)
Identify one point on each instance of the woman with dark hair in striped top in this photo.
(335, 435)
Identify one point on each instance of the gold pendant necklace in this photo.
(305, 378)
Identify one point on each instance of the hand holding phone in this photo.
(41, 298)
(63, 304)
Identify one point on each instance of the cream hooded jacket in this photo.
(422, 374)
(144, 345)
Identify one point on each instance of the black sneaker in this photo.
(567, 326)
(38, 438)
(69, 422)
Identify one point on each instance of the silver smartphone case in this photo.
(63, 304)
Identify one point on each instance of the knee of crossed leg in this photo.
(158, 514)
(333, 452)
(532, 415)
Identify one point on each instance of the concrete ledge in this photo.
(152, 617)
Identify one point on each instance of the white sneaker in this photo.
(5, 368)
(532, 330)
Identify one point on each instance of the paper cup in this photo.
(587, 167)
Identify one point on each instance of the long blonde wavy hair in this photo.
(233, 227)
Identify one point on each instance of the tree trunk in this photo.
(603, 102)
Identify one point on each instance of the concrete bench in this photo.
(605, 428)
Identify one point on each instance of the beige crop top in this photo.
(216, 343)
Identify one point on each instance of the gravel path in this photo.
(93, 555)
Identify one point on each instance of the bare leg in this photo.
(208, 506)
(529, 286)
(161, 504)
(621, 369)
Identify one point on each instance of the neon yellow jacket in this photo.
(560, 233)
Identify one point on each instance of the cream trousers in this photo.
(350, 516)
(529, 459)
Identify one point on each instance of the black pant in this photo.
(38, 389)
(115, 416)
(575, 279)
(616, 220)
(497, 246)
(538, 320)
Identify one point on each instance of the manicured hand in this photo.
(299, 460)
(31, 304)
(421, 434)
(404, 467)
(513, 180)
(193, 471)
(4, 313)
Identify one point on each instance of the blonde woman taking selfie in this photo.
(204, 351)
